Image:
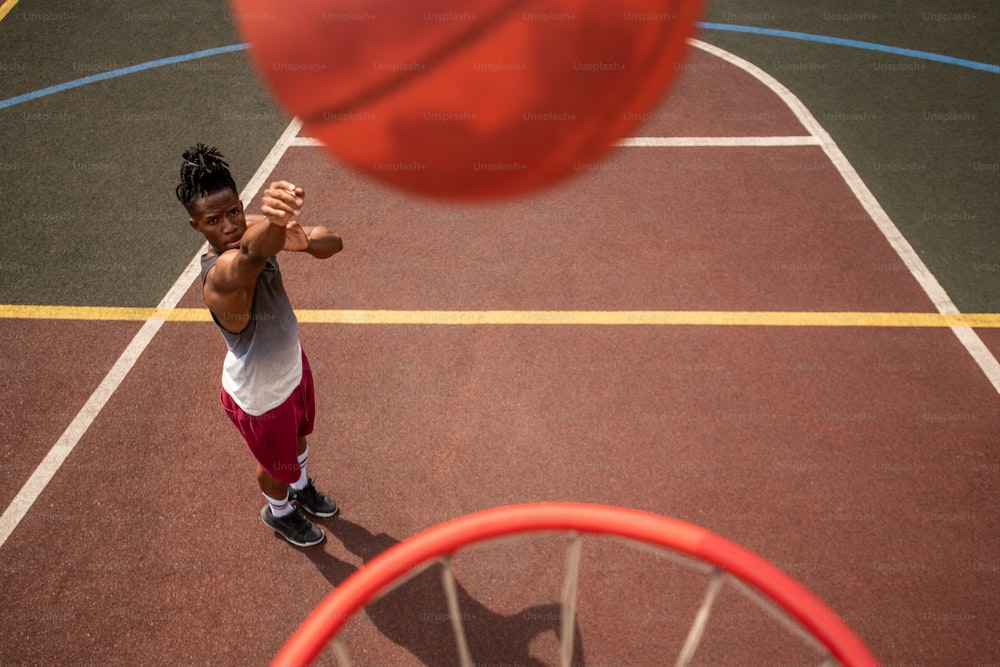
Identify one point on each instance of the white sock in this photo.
(303, 480)
(280, 508)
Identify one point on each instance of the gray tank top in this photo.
(264, 363)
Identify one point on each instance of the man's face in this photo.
(219, 216)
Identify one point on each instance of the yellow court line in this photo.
(6, 7)
(103, 313)
(646, 317)
(532, 317)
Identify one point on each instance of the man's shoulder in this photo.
(219, 269)
(225, 259)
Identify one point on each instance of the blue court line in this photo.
(104, 76)
(855, 44)
(771, 32)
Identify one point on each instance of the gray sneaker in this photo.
(294, 527)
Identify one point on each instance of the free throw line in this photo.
(672, 142)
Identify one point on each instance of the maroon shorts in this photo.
(273, 436)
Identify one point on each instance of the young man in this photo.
(267, 388)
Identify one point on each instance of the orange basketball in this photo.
(467, 99)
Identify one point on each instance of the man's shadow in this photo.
(415, 614)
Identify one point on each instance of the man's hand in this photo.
(282, 203)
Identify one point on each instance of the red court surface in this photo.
(856, 458)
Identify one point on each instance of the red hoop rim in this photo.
(447, 538)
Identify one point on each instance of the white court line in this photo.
(720, 142)
(47, 469)
(982, 355)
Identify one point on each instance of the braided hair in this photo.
(202, 173)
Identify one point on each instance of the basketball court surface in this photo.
(735, 320)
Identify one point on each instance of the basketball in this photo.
(468, 99)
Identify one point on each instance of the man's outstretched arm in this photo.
(319, 242)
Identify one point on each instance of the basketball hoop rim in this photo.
(447, 538)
